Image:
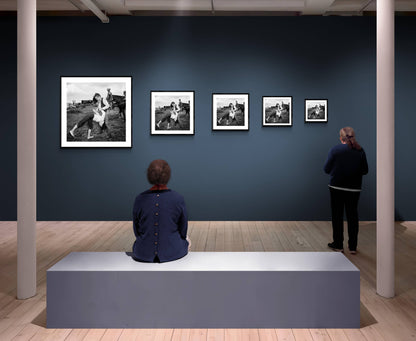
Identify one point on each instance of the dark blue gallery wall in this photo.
(8, 125)
(265, 173)
(405, 119)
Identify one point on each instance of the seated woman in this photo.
(160, 220)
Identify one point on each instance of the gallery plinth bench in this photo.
(204, 290)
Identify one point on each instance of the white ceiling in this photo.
(305, 7)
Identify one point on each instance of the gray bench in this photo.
(204, 290)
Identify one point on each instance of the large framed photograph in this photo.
(96, 111)
(316, 110)
(172, 113)
(277, 111)
(230, 112)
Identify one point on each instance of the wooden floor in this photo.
(381, 319)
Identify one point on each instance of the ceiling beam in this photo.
(364, 7)
(77, 5)
(92, 6)
(317, 7)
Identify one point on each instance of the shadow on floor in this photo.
(366, 319)
(40, 320)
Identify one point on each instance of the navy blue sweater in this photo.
(160, 224)
(346, 166)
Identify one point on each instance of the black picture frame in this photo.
(77, 94)
(172, 112)
(277, 111)
(316, 110)
(227, 109)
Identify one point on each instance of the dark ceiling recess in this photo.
(204, 13)
(215, 13)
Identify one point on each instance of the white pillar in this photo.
(26, 148)
(385, 148)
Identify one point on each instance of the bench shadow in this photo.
(40, 320)
(366, 319)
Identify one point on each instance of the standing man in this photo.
(110, 98)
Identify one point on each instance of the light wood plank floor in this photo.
(381, 319)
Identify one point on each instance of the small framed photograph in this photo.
(230, 112)
(96, 111)
(277, 111)
(172, 113)
(316, 110)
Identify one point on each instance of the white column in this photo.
(385, 148)
(26, 148)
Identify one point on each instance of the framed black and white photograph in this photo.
(96, 111)
(172, 113)
(316, 110)
(277, 111)
(230, 112)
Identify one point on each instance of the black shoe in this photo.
(353, 251)
(335, 248)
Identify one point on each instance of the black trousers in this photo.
(348, 200)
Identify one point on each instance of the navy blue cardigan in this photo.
(346, 166)
(160, 224)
